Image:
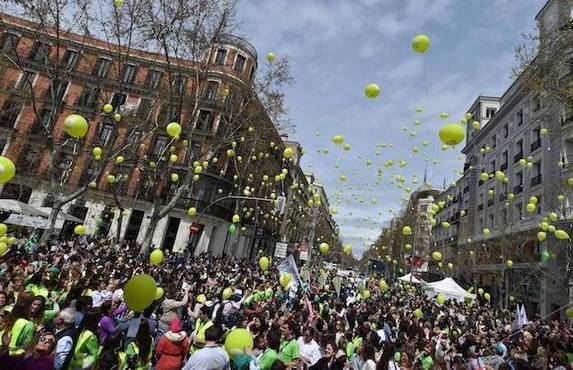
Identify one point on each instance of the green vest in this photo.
(200, 328)
(82, 357)
(134, 349)
(16, 343)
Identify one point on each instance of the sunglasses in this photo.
(47, 339)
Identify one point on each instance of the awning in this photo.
(15, 206)
(62, 215)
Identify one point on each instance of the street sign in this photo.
(303, 252)
(281, 250)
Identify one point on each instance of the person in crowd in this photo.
(211, 356)
(289, 351)
(310, 351)
(111, 357)
(172, 347)
(39, 358)
(17, 325)
(139, 352)
(65, 336)
(86, 346)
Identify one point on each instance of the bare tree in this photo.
(64, 30)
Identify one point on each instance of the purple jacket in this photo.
(27, 363)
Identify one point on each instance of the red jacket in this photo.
(171, 351)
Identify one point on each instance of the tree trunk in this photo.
(119, 222)
(146, 245)
(56, 208)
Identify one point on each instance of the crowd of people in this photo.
(62, 307)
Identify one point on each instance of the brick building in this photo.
(136, 87)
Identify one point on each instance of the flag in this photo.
(288, 265)
(337, 282)
(523, 316)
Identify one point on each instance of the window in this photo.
(480, 223)
(518, 188)
(252, 74)
(179, 83)
(29, 158)
(44, 120)
(519, 117)
(536, 103)
(118, 100)
(518, 150)
(535, 139)
(144, 108)
(492, 166)
(539, 204)
(128, 74)
(490, 112)
(536, 175)
(70, 59)
(134, 137)
(56, 91)
(504, 158)
(39, 53)
(48, 200)
(159, 145)
(27, 80)
(105, 133)
(211, 90)
(153, 79)
(491, 219)
(205, 122)
(221, 56)
(89, 97)
(168, 113)
(101, 67)
(493, 141)
(518, 211)
(10, 112)
(506, 130)
(240, 63)
(10, 42)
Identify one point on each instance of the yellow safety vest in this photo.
(15, 347)
(200, 328)
(140, 365)
(82, 359)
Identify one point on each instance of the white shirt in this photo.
(311, 350)
(208, 358)
(63, 347)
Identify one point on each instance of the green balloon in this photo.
(232, 229)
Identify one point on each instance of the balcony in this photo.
(517, 157)
(536, 144)
(502, 197)
(503, 166)
(518, 189)
(536, 180)
(480, 207)
(466, 189)
(490, 202)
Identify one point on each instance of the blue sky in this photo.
(336, 47)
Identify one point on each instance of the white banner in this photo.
(281, 250)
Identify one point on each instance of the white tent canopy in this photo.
(449, 289)
(411, 279)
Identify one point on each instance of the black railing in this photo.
(536, 180)
(517, 157)
(480, 207)
(536, 144)
(518, 189)
(503, 166)
(490, 202)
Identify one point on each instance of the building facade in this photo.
(141, 82)
(516, 148)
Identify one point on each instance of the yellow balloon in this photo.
(284, 279)
(76, 126)
(227, 293)
(7, 169)
(420, 43)
(80, 230)
(3, 229)
(441, 299)
(108, 108)
(338, 139)
(486, 296)
(451, 134)
(159, 293)
(561, 234)
(288, 153)
(271, 57)
(156, 257)
(371, 91)
(437, 256)
(201, 298)
(237, 341)
(509, 264)
(324, 247)
(192, 211)
(139, 292)
(541, 236)
(264, 263)
(407, 230)
(173, 130)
